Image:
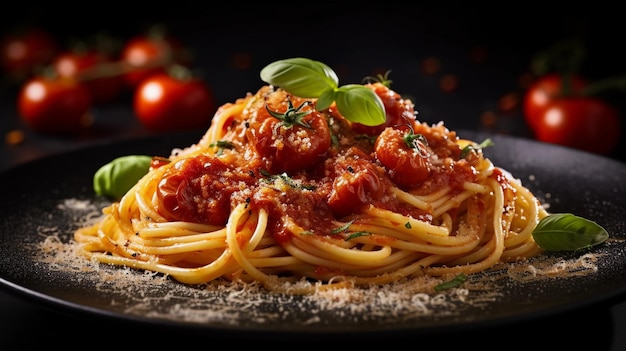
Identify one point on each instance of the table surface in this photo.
(477, 103)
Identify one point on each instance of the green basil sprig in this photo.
(115, 178)
(307, 78)
(567, 232)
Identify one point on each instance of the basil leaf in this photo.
(360, 104)
(300, 76)
(115, 178)
(312, 79)
(325, 100)
(567, 232)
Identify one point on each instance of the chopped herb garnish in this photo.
(356, 235)
(343, 228)
(469, 147)
(286, 179)
(334, 140)
(455, 282)
(223, 144)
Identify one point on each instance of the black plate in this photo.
(34, 204)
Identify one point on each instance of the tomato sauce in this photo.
(336, 180)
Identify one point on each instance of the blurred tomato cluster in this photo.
(562, 106)
(559, 110)
(59, 85)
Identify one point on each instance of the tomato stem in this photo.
(119, 68)
(597, 87)
(565, 57)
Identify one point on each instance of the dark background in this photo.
(486, 48)
(232, 41)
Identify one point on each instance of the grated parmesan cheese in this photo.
(153, 295)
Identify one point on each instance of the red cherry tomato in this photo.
(584, 123)
(406, 166)
(90, 67)
(23, 51)
(150, 54)
(178, 192)
(290, 148)
(189, 190)
(545, 90)
(163, 103)
(54, 106)
(358, 182)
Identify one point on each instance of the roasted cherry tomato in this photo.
(198, 189)
(584, 123)
(547, 88)
(24, 50)
(357, 183)
(54, 106)
(93, 69)
(404, 155)
(163, 102)
(287, 147)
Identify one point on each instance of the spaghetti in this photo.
(278, 192)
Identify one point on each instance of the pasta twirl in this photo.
(277, 191)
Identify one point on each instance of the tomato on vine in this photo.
(545, 90)
(24, 50)
(167, 102)
(151, 53)
(54, 106)
(91, 68)
(584, 123)
(561, 109)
